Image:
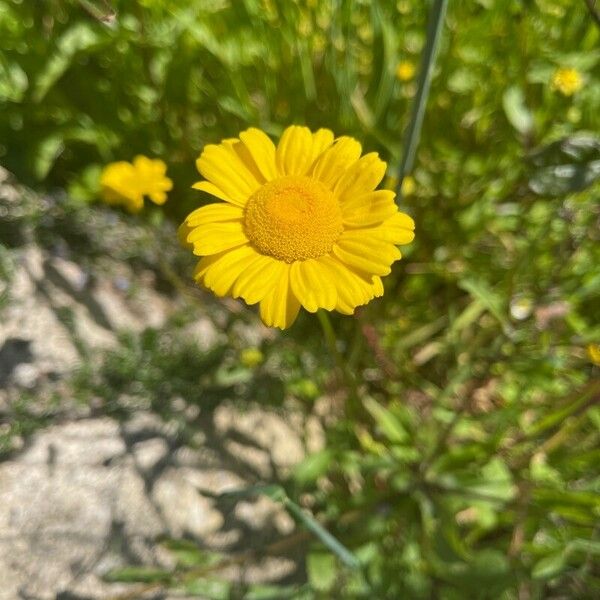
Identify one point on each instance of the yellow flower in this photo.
(251, 357)
(567, 81)
(405, 70)
(127, 184)
(409, 185)
(301, 223)
(593, 352)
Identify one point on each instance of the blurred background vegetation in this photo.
(469, 466)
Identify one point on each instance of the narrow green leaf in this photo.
(517, 113)
(138, 575)
(389, 424)
(549, 566)
(322, 534)
(313, 466)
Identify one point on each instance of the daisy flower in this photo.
(127, 183)
(300, 223)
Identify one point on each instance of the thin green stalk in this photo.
(413, 132)
(330, 338)
(344, 374)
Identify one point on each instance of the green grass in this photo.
(468, 466)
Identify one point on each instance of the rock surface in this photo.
(85, 497)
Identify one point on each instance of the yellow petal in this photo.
(182, 232)
(362, 177)
(158, 197)
(321, 140)
(223, 167)
(398, 229)
(214, 238)
(213, 213)
(258, 279)
(366, 254)
(262, 149)
(313, 285)
(213, 190)
(353, 289)
(377, 287)
(294, 151)
(330, 166)
(369, 209)
(220, 272)
(239, 150)
(280, 307)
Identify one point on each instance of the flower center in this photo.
(293, 218)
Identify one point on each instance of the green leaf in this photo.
(138, 575)
(312, 467)
(79, 37)
(322, 570)
(210, 589)
(48, 150)
(516, 111)
(188, 554)
(389, 424)
(549, 566)
(492, 300)
(277, 592)
(13, 81)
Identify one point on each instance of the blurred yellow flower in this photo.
(127, 183)
(251, 357)
(405, 70)
(301, 223)
(567, 81)
(409, 186)
(593, 352)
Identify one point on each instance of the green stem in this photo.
(344, 374)
(413, 133)
(330, 338)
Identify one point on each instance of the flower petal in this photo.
(280, 307)
(362, 177)
(219, 272)
(214, 238)
(398, 229)
(369, 209)
(294, 151)
(313, 285)
(353, 289)
(321, 140)
(182, 232)
(258, 279)
(239, 150)
(262, 150)
(332, 163)
(364, 253)
(214, 213)
(213, 190)
(223, 167)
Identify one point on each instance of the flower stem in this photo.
(345, 377)
(413, 132)
(330, 339)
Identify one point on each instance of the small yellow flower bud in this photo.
(405, 70)
(251, 357)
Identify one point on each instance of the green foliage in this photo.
(466, 466)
